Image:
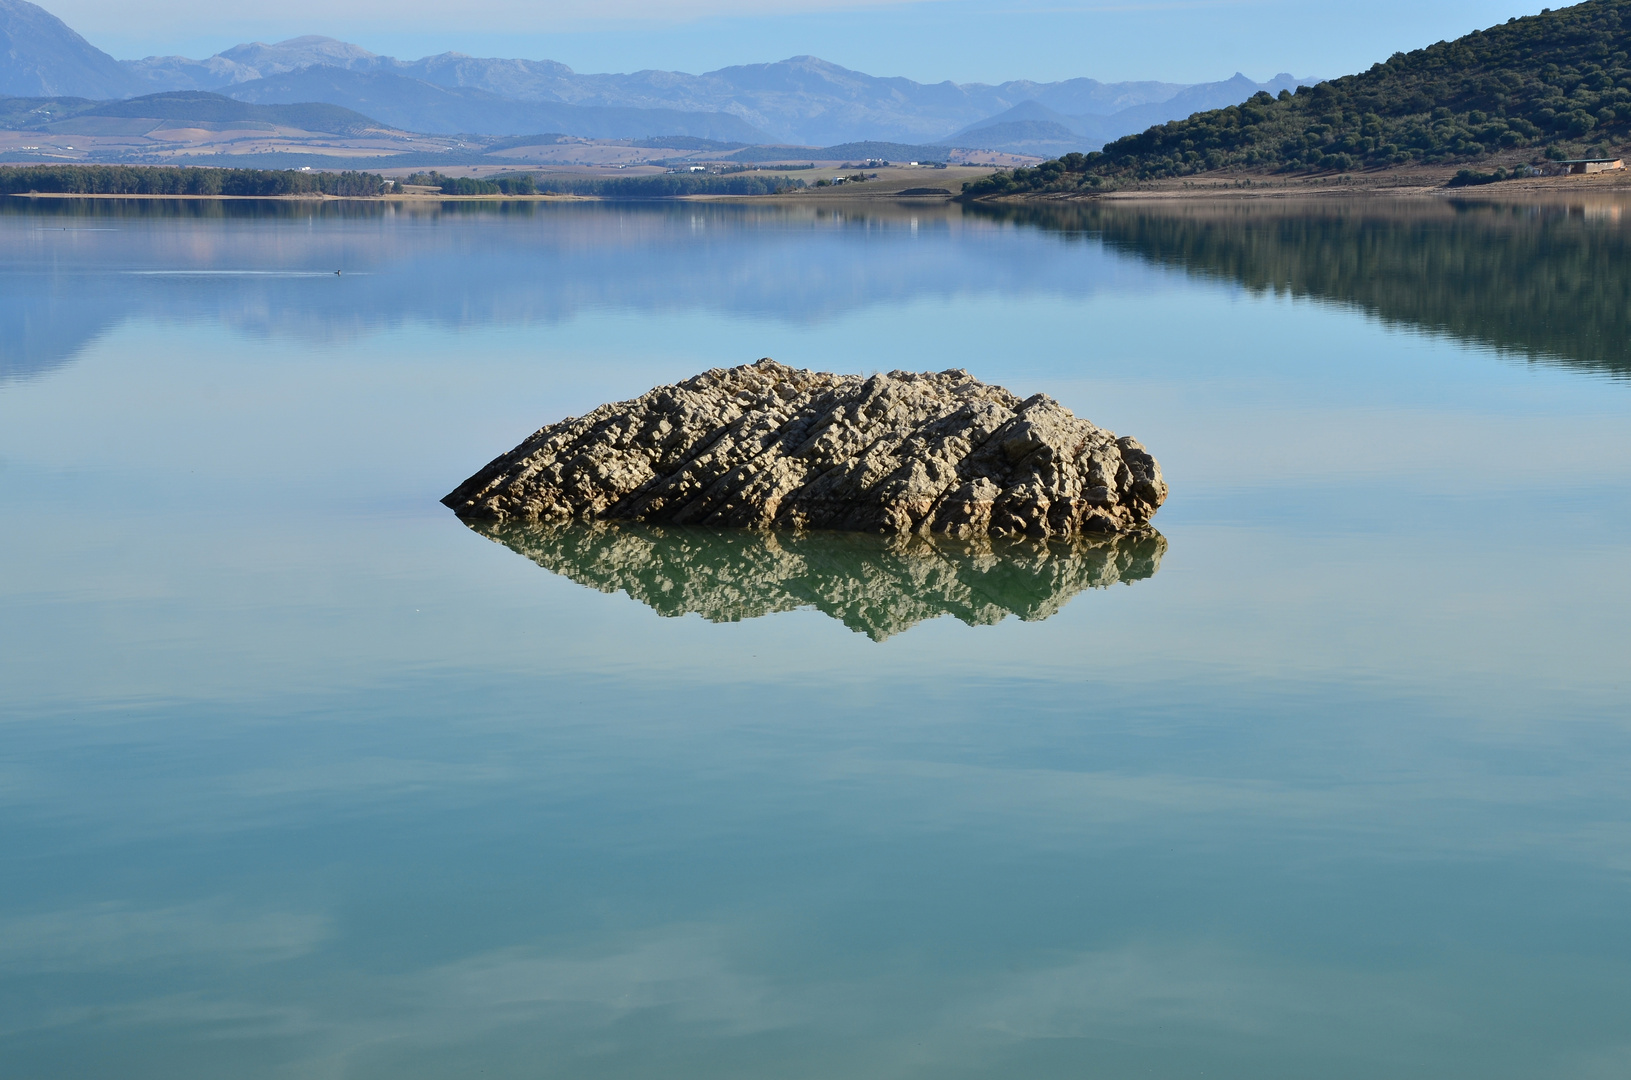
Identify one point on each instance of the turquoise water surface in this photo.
(302, 777)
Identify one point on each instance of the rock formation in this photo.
(875, 585)
(768, 446)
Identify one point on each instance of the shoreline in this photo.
(931, 185)
(1234, 189)
(1407, 184)
(307, 197)
(542, 197)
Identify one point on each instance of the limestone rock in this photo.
(875, 585)
(768, 446)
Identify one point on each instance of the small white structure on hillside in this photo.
(1581, 166)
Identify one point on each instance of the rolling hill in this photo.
(194, 106)
(77, 115)
(1038, 138)
(1558, 83)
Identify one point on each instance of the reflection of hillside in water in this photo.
(1547, 280)
(467, 265)
(874, 585)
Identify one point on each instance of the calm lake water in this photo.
(302, 777)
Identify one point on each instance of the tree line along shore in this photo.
(209, 181)
(183, 181)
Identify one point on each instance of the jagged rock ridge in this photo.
(769, 446)
(877, 586)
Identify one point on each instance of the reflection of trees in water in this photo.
(874, 585)
(1547, 280)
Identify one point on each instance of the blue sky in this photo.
(961, 40)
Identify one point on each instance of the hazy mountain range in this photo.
(801, 101)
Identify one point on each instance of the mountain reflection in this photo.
(1549, 280)
(877, 586)
(258, 267)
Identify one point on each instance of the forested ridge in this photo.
(1557, 83)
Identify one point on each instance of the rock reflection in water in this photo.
(877, 586)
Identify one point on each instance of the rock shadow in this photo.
(875, 585)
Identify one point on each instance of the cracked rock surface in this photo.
(766, 446)
(875, 585)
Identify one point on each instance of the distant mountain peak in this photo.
(298, 52)
(802, 100)
(319, 39)
(41, 57)
(1032, 127)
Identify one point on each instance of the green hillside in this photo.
(214, 108)
(181, 107)
(1558, 82)
(24, 113)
